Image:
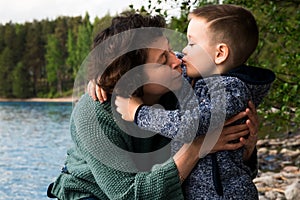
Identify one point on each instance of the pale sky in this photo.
(20, 11)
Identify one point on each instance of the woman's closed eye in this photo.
(165, 58)
(167, 55)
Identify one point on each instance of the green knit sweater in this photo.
(102, 162)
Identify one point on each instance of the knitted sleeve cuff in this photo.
(137, 113)
(172, 179)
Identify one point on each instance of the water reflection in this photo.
(34, 138)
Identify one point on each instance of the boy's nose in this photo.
(184, 50)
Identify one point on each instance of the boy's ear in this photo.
(222, 53)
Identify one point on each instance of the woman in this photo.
(106, 162)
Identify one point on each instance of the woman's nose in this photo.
(174, 61)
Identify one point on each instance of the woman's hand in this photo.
(229, 134)
(253, 124)
(127, 107)
(96, 92)
(189, 154)
(238, 132)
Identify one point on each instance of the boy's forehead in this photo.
(195, 26)
(197, 23)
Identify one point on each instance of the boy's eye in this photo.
(191, 44)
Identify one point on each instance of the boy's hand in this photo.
(96, 92)
(127, 107)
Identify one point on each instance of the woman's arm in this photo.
(250, 151)
(107, 152)
(95, 139)
(188, 152)
(253, 124)
(230, 133)
(130, 109)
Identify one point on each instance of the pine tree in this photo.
(33, 59)
(101, 24)
(2, 45)
(6, 68)
(72, 61)
(54, 61)
(21, 86)
(84, 40)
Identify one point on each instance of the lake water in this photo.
(34, 138)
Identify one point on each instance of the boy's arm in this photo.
(164, 122)
(217, 101)
(173, 124)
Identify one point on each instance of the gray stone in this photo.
(292, 192)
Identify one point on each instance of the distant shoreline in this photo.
(61, 99)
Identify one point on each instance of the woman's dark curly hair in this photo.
(114, 49)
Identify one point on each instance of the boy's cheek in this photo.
(191, 71)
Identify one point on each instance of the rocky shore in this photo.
(279, 173)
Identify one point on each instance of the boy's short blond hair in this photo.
(232, 25)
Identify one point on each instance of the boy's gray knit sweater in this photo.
(222, 175)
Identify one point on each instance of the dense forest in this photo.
(41, 58)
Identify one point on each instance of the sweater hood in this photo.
(253, 75)
(258, 80)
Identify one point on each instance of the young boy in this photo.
(221, 39)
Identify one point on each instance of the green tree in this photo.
(72, 61)
(84, 41)
(9, 35)
(54, 61)
(2, 44)
(279, 50)
(20, 84)
(7, 60)
(101, 24)
(33, 58)
(18, 45)
(83, 45)
(6, 68)
(47, 28)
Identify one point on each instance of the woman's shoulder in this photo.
(92, 119)
(92, 114)
(87, 106)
